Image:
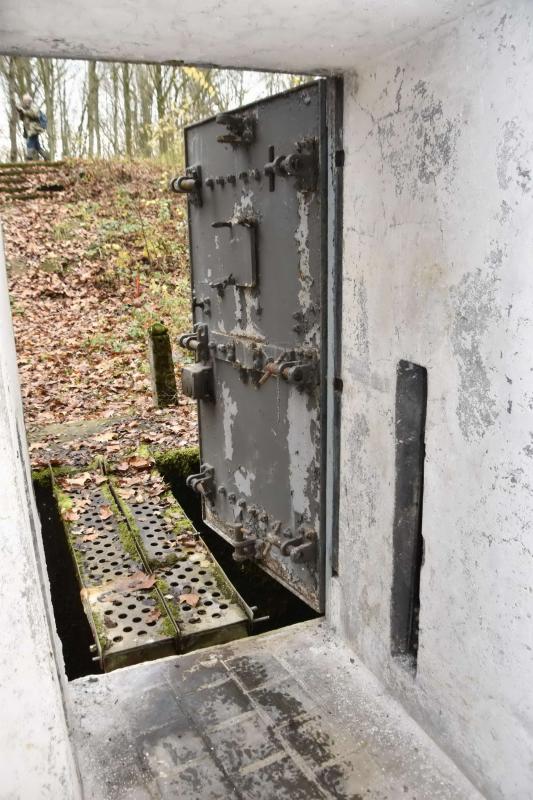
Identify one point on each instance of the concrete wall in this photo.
(35, 754)
(307, 35)
(438, 269)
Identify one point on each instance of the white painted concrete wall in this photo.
(306, 35)
(438, 251)
(36, 760)
(438, 269)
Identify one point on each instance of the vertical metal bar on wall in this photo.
(333, 325)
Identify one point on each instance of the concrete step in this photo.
(29, 166)
(291, 714)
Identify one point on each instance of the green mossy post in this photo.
(161, 366)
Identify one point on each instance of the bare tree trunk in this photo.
(145, 96)
(47, 74)
(92, 108)
(13, 114)
(126, 92)
(114, 78)
(160, 104)
(64, 120)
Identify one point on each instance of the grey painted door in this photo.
(256, 219)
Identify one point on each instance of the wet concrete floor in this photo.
(290, 714)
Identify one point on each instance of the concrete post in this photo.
(161, 366)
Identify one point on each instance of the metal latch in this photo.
(244, 545)
(197, 340)
(197, 380)
(302, 374)
(303, 165)
(189, 184)
(203, 482)
(302, 548)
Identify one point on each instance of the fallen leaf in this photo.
(109, 623)
(190, 599)
(90, 537)
(105, 512)
(105, 437)
(139, 463)
(153, 615)
(70, 515)
(78, 480)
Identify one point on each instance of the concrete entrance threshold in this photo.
(291, 714)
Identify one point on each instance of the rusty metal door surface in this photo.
(255, 185)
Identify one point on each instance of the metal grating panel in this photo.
(150, 586)
(104, 558)
(130, 625)
(158, 532)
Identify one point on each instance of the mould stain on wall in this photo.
(418, 142)
(514, 158)
(475, 313)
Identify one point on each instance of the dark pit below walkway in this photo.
(291, 714)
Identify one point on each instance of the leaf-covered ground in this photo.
(90, 269)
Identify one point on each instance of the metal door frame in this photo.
(330, 188)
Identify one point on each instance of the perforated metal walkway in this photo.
(149, 585)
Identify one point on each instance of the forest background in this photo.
(91, 267)
(109, 110)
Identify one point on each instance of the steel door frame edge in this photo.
(332, 331)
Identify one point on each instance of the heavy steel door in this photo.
(254, 181)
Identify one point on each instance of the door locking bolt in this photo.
(303, 374)
(189, 184)
(302, 165)
(245, 545)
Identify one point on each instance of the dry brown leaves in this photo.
(190, 599)
(80, 339)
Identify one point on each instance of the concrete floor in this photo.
(291, 714)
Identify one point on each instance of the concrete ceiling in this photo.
(294, 35)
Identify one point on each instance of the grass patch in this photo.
(126, 528)
(181, 462)
(167, 627)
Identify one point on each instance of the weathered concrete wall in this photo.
(307, 35)
(438, 269)
(35, 754)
